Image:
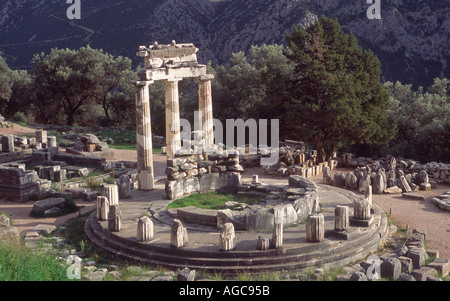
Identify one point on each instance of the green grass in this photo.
(74, 232)
(211, 200)
(129, 146)
(17, 263)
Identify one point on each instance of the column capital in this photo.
(142, 83)
(173, 80)
(206, 77)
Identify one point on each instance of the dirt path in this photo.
(417, 214)
(17, 130)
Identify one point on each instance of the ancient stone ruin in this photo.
(388, 175)
(288, 228)
(170, 63)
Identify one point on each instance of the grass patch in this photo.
(18, 263)
(75, 230)
(128, 146)
(212, 200)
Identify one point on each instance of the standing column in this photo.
(173, 131)
(144, 136)
(205, 108)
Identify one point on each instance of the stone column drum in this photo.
(205, 108)
(114, 218)
(145, 229)
(263, 243)
(102, 208)
(41, 136)
(8, 143)
(173, 131)
(341, 218)
(362, 210)
(368, 194)
(111, 192)
(315, 228)
(179, 235)
(226, 242)
(277, 236)
(51, 141)
(144, 137)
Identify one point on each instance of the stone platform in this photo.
(202, 251)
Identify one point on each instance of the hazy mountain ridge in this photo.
(411, 40)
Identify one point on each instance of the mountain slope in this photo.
(410, 40)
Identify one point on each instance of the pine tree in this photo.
(337, 97)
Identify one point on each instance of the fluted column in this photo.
(111, 192)
(205, 108)
(173, 131)
(315, 229)
(144, 136)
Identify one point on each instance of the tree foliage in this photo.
(337, 96)
(253, 85)
(423, 121)
(67, 80)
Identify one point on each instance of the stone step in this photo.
(232, 262)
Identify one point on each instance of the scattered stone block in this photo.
(358, 276)
(89, 196)
(52, 211)
(441, 265)
(41, 136)
(391, 268)
(407, 265)
(422, 273)
(8, 143)
(418, 256)
(413, 196)
(43, 228)
(9, 234)
(40, 206)
(406, 277)
(393, 190)
(186, 275)
(433, 253)
(4, 221)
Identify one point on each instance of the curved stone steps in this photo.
(296, 258)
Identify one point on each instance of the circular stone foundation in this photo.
(202, 251)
